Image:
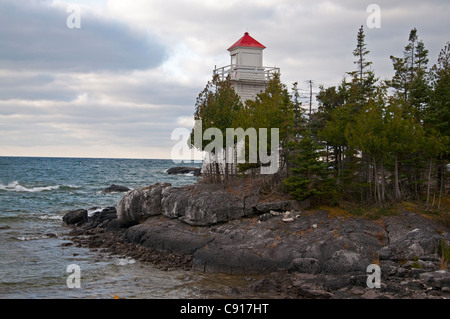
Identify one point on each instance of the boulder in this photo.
(78, 216)
(196, 171)
(100, 218)
(168, 237)
(413, 244)
(115, 189)
(139, 204)
(344, 261)
(174, 201)
(209, 206)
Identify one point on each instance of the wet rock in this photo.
(196, 171)
(115, 189)
(78, 216)
(166, 237)
(101, 218)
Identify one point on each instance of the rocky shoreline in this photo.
(300, 253)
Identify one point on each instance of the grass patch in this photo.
(349, 209)
(336, 211)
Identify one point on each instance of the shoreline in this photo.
(314, 255)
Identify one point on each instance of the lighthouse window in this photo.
(234, 59)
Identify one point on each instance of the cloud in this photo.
(120, 84)
(35, 36)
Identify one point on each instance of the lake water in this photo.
(34, 195)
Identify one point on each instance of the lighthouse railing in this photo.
(246, 72)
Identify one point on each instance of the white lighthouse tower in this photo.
(246, 70)
(249, 78)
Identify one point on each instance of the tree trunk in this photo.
(377, 186)
(382, 179)
(429, 180)
(396, 184)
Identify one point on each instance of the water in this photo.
(34, 195)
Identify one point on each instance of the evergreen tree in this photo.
(217, 106)
(308, 175)
(271, 109)
(411, 80)
(438, 114)
(362, 86)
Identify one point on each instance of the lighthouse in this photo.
(247, 73)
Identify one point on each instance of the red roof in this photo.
(247, 41)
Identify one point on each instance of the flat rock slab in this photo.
(249, 246)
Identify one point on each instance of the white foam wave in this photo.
(16, 187)
(27, 238)
(55, 217)
(93, 210)
(125, 261)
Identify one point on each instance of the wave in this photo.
(125, 261)
(16, 187)
(37, 237)
(53, 217)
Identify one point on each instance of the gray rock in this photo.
(101, 217)
(174, 201)
(168, 237)
(115, 188)
(207, 207)
(344, 261)
(251, 199)
(196, 171)
(415, 243)
(263, 286)
(264, 217)
(306, 265)
(139, 204)
(78, 216)
(436, 279)
(284, 205)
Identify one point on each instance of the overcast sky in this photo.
(118, 85)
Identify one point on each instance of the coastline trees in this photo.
(370, 140)
(380, 146)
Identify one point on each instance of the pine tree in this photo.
(308, 174)
(437, 118)
(411, 80)
(217, 106)
(363, 82)
(438, 114)
(271, 109)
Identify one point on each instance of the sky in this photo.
(115, 78)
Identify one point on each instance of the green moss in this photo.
(416, 263)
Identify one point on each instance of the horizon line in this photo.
(121, 158)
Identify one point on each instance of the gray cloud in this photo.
(34, 35)
(119, 85)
